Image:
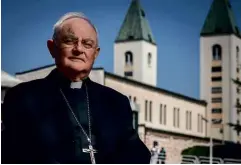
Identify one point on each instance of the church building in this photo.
(174, 120)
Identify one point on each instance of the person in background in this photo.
(155, 153)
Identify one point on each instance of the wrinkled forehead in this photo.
(78, 27)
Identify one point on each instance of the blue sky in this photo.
(176, 24)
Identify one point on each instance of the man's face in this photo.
(76, 46)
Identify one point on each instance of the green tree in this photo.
(237, 126)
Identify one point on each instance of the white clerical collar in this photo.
(76, 85)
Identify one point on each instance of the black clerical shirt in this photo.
(78, 102)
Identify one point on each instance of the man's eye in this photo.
(88, 44)
(68, 40)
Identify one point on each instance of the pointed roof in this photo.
(135, 25)
(220, 19)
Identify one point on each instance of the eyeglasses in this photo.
(71, 42)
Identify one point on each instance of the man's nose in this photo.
(78, 48)
(79, 45)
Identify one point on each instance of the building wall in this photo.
(229, 94)
(142, 94)
(37, 74)
(141, 71)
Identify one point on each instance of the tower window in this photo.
(129, 58)
(149, 59)
(216, 89)
(128, 74)
(217, 52)
(216, 121)
(216, 110)
(217, 100)
(217, 69)
(216, 78)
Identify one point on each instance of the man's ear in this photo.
(52, 48)
(97, 52)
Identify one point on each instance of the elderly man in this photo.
(65, 117)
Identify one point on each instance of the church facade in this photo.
(172, 119)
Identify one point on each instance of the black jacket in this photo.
(37, 130)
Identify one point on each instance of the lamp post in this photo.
(210, 140)
(211, 144)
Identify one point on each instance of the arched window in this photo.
(129, 58)
(217, 52)
(149, 59)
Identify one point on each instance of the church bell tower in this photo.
(220, 43)
(135, 50)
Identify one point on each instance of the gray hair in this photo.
(58, 25)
